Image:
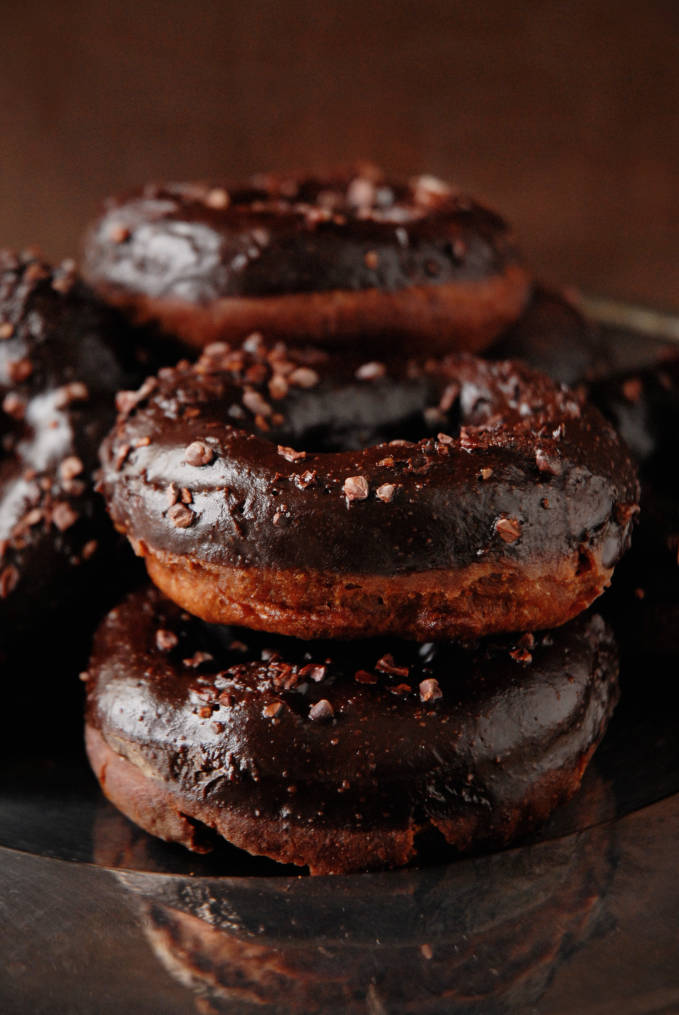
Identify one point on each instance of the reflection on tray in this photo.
(483, 935)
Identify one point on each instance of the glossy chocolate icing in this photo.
(553, 336)
(644, 406)
(489, 462)
(61, 361)
(230, 717)
(198, 242)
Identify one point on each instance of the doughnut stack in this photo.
(372, 552)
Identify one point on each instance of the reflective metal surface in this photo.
(97, 917)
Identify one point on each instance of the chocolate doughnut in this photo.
(643, 404)
(310, 260)
(553, 336)
(61, 362)
(509, 516)
(333, 755)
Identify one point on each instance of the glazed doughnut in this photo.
(335, 756)
(310, 260)
(644, 406)
(60, 364)
(553, 336)
(499, 501)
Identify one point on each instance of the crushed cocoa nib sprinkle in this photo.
(322, 711)
(121, 456)
(272, 710)
(70, 467)
(508, 529)
(364, 677)
(76, 391)
(314, 672)
(401, 689)
(217, 198)
(278, 387)
(257, 405)
(433, 416)
(14, 405)
(632, 389)
(186, 496)
(9, 577)
(199, 453)
(386, 463)
(32, 517)
(355, 488)
(387, 665)
(19, 370)
(90, 548)
(118, 233)
(181, 516)
(385, 492)
(370, 371)
(304, 479)
(361, 193)
(449, 397)
(430, 690)
(429, 190)
(289, 454)
(172, 494)
(253, 342)
(548, 463)
(166, 640)
(303, 377)
(197, 659)
(63, 516)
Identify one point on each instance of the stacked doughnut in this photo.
(63, 356)
(370, 550)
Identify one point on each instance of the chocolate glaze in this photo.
(61, 361)
(226, 717)
(553, 336)
(198, 242)
(644, 406)
(507, 449)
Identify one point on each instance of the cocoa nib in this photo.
(508, 529)
(547, 462)
(198, 453)
(289, 454)
(430, 690)
(165, 640)
(322, 711)
(181, 516)
(355, 488)
(387, 665)
(385, 492)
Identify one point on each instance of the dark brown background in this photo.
(564, 114)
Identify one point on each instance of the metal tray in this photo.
(97, 917)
